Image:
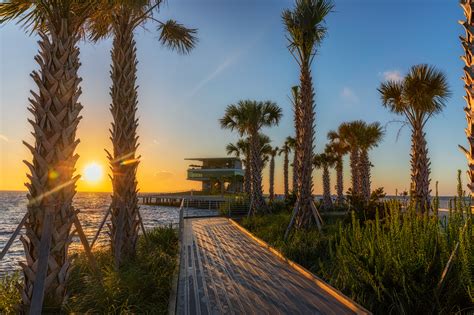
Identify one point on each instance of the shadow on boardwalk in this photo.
(223, 271)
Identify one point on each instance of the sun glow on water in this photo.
(92, 172)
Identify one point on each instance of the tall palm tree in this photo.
(305, 28)
(421, 94)
(370, 137)
(338, 148)
(325, 161)
(468, 44)
(248, 117)
(285, 150)
(120, 19)
(242, 149)
(273, 152)
(350, 134)
(55, 109)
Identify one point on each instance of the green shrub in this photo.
(141, 285)
(9, 293)
(393, 264)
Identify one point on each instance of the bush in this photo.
(141, 285)
(393, 264)
(9, 294)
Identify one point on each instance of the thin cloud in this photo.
(392, 75)
(4, 138)
(230, 60)
(348, 95)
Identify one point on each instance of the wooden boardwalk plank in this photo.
(224, 271)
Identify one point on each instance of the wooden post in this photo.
(142, 226)
(85, 243)
(100, 227)
(42, 269)
(15, 234)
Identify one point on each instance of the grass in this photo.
(390, 265)
(9, 294)
(142, 285)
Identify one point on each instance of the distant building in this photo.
(217, 175)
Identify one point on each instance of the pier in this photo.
(198, 202)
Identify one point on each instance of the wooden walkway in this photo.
(224, 271)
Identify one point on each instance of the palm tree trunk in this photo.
(52, 182)
(285, 174)
(420, 169)
(364, 169)
(248, 173)
(354, 162)
(258, 202)
(304, 150)
(272, 179)
(124, 162)
(327, 202)
(340, 181)
(468, 44)
(295, 173)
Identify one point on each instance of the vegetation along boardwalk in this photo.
(225, 271)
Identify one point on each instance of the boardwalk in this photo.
(223, 271)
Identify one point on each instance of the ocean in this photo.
(92, 206)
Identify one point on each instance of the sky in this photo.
(242, 54)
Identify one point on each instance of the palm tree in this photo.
(421, 94)
(242, 149)
(350, 134)
(295, 100)
(239, 149)
(55, 109)
(324, 161)
(338, 148)
(273, 152)
(248, 117)
(292, 145)
(468, 44)
(285, 150)
(305, 28)
(120, 19)
(370, 137)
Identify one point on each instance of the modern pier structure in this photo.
(217, 175)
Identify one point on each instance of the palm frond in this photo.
(177, 37)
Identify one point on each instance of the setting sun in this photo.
(92, 172)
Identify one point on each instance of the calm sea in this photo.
(92, 206)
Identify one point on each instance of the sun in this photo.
(92, 172)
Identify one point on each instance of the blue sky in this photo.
(242, 54)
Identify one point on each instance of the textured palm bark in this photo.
(258, 202)
(327, 201)
(364, 169)
(248, 174)
(354, 162)
(285, 173)
(123, 161)
(52, 184)
(420, 170)
(304, 150)
(468, 45)
(272, 178)
(294, 184)
(339, 181)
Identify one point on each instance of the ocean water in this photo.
(92, 206)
